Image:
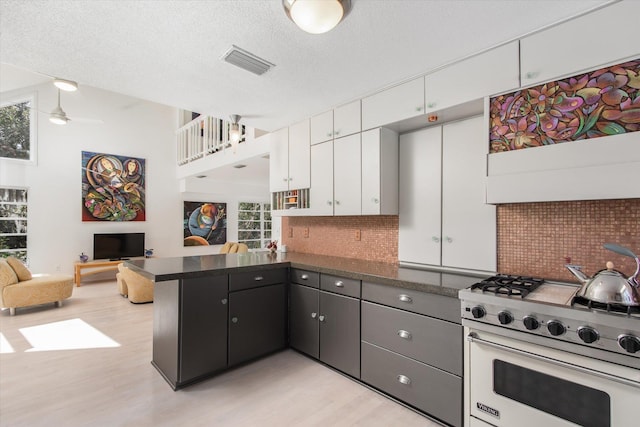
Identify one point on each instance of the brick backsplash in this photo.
(337, 236)
(533, 238)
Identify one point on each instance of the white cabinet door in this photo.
(279, 160)
(379, 172)
(420, 196)
(581, 44)
(489, 73)
(468, 223)
(347, 175)
(321, 191)
(394, 104)
(322, 127)
(347, 119)
(299, 156)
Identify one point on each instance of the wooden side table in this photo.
(94, 266)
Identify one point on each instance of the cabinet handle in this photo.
(258, 278)
(329, 202)
(339, 284)
(285, 179)
(336, 133)
(448, 239)
(404, 298)
(314, 315)
(418, 108)
(337, 202)
(375, 200)
(321, 318)
(290, 179)
(431, 104)
(304, 276)
(404, 334)
(224, 301)
(435, 239)
(234, 320)
(329, 134)
(403, 379)
(531, 75)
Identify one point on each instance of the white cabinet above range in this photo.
(394, 104)
(336, 123)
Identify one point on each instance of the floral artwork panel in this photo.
(591, 105)
(113, 187)
(205, 223)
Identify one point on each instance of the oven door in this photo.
(514, 383)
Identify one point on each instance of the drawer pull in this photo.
(403, 379)
(223, 301)
(304, 276)
(258, 278)
(339, 284)
(321, 318)
(405, 298)
(404, 334)
(234, 319)
(314, 315)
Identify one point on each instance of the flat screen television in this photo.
(115, 246)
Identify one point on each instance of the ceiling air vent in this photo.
(246, 60)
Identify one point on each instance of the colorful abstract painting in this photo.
(113, 187)
(600, 103)
(205, 223)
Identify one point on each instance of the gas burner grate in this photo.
(608, 307)
(518, 286)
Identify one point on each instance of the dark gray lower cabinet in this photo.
(429, 389)
(257, 322)
(326, 326)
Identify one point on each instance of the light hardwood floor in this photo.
(117, 386)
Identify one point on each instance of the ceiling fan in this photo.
(59, 117)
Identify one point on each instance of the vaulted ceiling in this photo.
(170, 51)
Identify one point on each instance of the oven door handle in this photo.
(473, 338)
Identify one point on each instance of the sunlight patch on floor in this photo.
(70, 334)
(5, 347)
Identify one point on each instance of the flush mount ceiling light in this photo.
(316, 16)
(66, 85)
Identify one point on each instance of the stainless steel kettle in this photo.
(610, 286)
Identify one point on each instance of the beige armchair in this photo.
(134, 286)
(18, 288)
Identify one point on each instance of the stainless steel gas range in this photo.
(536, 354)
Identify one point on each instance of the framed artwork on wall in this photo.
(205, 223)
(113, 187)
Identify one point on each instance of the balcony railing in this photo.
(203, 136)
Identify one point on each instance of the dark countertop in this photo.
(431, 281)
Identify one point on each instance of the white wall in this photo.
(56, 233)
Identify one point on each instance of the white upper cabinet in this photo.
(321, 193)
(394, 104)
(585, 43)
(347, 119)
(322, 127)
(379, 172)
(299, 156)
(347, 175)
(489, 73)
(420, 196)
(279, 160)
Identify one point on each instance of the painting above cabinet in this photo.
(600, 103)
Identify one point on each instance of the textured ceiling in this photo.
(169, 51)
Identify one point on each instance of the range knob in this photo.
(555, 328)
(630, 343)
(531, 323)
(478, 312)
(505, 317)
(588, 334)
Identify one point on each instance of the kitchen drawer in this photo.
(340, 285)
(428, 340)
(256, 279)
(431, 390)
(433, 305)
(305, 277)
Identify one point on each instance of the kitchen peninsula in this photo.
(396, 329)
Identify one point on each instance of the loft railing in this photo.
(204, 136)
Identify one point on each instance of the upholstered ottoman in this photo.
(134, 286)
(18, 288)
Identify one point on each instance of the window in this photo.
(18, 128)
(13, 222)
(254, 224)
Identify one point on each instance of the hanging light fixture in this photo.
(66, 85)
(316, 16)
(58, 116)
(234, 131)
